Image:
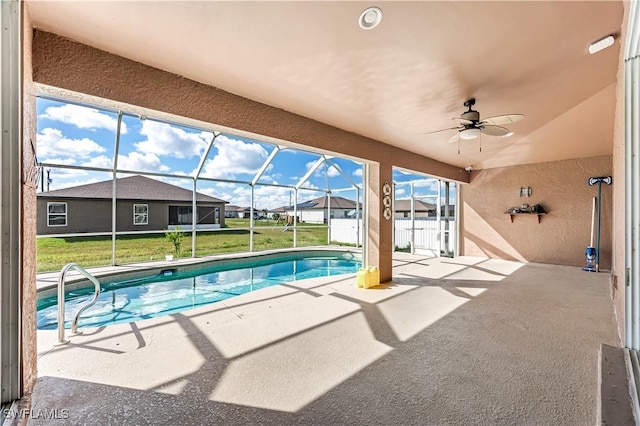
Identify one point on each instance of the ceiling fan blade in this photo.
(454, 138)
(462, 120)
(494, 130)
(500, 120)
(442, 130)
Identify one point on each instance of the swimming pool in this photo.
(171, 291)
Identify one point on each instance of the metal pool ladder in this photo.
(61, 282)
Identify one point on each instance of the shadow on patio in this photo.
(449, 341)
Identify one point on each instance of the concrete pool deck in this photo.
(448, 341)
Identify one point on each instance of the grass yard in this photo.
(54, 253)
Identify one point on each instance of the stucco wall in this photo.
(563, 233)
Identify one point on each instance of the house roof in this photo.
(131, 188)
(421, 206)
(321, 203)
(281, 209)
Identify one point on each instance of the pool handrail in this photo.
(61, 283)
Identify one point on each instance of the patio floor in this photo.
(449, 341)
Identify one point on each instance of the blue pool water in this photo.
(169, 292)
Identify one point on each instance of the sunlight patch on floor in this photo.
(143, 368)
(296, 371)
(410, 313)
(274, 323)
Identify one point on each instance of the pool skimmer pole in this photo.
(591, 251)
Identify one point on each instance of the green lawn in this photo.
(54, 253)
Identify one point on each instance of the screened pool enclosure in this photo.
(270, 194)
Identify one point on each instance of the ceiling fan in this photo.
(470, 126)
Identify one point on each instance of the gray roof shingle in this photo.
(131, 188)
(321, 203)
(421, 206)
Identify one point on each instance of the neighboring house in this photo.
(244, 212)
(422, 209)
(280, 211)
(452, 211)
(231, 211)
(143, 204)
(315, 211)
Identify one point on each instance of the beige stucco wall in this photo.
(563, 233)
(28, 226)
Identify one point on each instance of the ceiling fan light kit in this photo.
(471, 133)
(472, 127)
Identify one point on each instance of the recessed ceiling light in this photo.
(370, 18)
(601, 44)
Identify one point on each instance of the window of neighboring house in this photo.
(56, 214)
(140, 214)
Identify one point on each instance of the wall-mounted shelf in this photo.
(526, 214)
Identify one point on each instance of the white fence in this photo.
(427, 236)
(345, 231)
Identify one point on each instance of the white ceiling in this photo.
(408, 76)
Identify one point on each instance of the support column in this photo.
(380, 230)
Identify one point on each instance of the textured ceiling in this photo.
(394, 83)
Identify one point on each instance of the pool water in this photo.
(170, 292)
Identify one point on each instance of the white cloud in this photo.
(268, 177)
(164, 139)
(226, 185)
(234, 157)
(430, 184)
(141, 162)
(65, 178)
(51, 142)
(83, 117)
(357, 172)
(333, 172)
(101, 161)
(67, 160)
(309, 185)
(265, 197)
(70, 183)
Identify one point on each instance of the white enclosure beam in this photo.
(114, 201)
(266, 164)
(311, 171)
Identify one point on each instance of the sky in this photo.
(74, 135)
